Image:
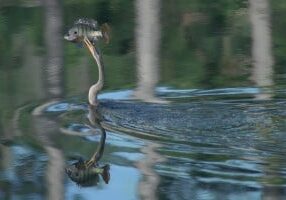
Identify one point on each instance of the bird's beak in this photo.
(92, 48)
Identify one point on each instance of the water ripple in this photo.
(216, 143)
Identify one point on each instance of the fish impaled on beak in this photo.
(87, 28)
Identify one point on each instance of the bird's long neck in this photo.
(94, 89)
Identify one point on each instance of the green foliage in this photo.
(193, 42)
(279, 32)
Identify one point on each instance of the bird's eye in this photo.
(75, 32)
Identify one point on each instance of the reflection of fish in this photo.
(87, 28)
(85, 176)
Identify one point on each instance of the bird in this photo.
(97, 87)
(86, 31)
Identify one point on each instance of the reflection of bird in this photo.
(86, 172)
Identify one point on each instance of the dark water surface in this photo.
(205, 120)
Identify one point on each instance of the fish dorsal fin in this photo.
(89, 22)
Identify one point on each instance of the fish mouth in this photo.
(69, 38)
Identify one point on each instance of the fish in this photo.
(88, 28)
(87, 176)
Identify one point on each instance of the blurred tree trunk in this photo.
(147, 48)
(54, 48)
(53, 77)
(261, 42)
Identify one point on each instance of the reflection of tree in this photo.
(272, 180)
(148, 186)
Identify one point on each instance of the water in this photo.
(213, 129)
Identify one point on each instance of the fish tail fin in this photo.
(105, 30)
(105, 174)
